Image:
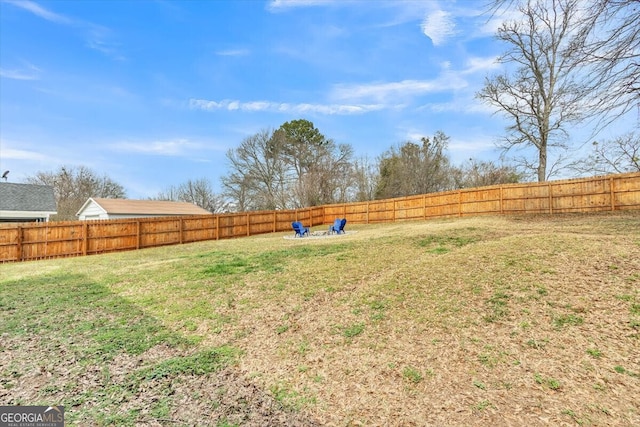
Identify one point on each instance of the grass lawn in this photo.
(524, 320)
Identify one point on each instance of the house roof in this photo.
(145, 207)
(27, 198)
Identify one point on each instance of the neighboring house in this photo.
(98, 208)
(26, 202)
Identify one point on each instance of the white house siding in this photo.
(93, 211)
(26, 216)
(90, 217)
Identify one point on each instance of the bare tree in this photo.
(73, 186)
(292, 167)
(365, 177)
(475, 173)
(617, 155)
(609, 43)
(342, 175)
(545, 93)
(259, 177)
(604, 47)
(328, 179)
(199, 192)
(415, 169)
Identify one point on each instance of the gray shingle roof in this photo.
(26, 197)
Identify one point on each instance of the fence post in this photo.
(138, 234)
(613, 193)
(181, 229)
(217, 227)
(85, 237)
(248, 225)
(424, 206)
(367, 222)
(459, 203)
(19, 243)
(501, 201)
(550, 199)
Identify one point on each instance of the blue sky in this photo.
(154, 93)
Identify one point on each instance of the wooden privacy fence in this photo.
(31, 241)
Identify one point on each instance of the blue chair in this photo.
(338, 226)
(300, 229)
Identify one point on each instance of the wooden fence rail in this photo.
(32, 241)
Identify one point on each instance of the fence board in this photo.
(32, 241)
(442, 205)
(481, 201)
(197, 229)
(381, 211)
(625, 189)
(533, 198)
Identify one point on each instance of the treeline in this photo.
(296, 166)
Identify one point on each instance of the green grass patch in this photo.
(567, 320)
(594, 352)
(69, 305)
(552, 383)
(351, 331)
(479, 384)
(412, 375)
(76, 321)
(482, 405)
(441, 244)
(201, 363)
(290, 398)
(497, 306)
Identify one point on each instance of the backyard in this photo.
(510, 320)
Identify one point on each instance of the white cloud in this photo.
(281, 107)
(13, 154)
(475, 64)
(233, 52)
(101, 39)
(473, 145)
(177, 147)
(19, 74)
(415, 136)
(495, 21)
(461, 147)
(471, 106)
(97, 36)
(382, 92)
(276, 5)
(476, 146)
(438, 26)
(40, 11)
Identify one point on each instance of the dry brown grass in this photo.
(501, 329)
(465, 322)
